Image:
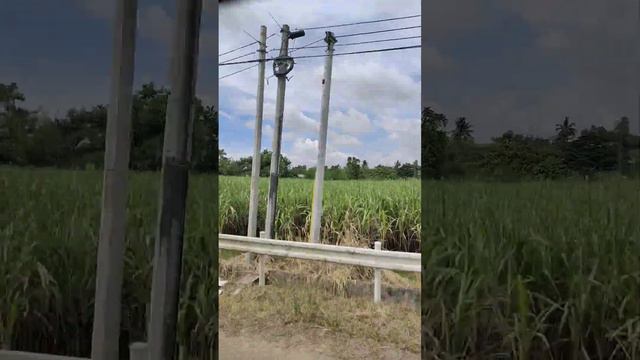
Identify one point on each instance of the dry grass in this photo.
(351, 324)
(338, 276)
(283, 312)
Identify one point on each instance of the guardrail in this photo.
(375, 258)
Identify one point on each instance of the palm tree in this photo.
(463, 130)
(566, 130)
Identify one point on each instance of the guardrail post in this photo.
(261, 269)
(377, 278)
(138, 351)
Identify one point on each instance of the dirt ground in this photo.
(305, 321)
(303, 347)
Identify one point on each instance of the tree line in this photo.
(77, 140)
(353, 169)
(454, 153)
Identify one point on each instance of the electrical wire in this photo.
(236, 49)
(243, 46)
(378, 31)
(360, 52)
(239, 71)
(304, 46)
(323, 55)
(358, 43)
(361, 22)
(241, 56)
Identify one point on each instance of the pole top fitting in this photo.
(330, 38)
(296, 34)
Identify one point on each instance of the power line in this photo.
(323, 55)
(236, 49)
(304, 46)
(362, 22)
(361, 52)
(241, 56)
(379, 31)
(239, 71)
(243, 46)
(359, 43)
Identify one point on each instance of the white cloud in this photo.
(305, 152)
(342, 140)
(364, 87)
(352, 121)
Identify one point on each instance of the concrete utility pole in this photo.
(111, 246)
(316, 210)
(282, 65)
(165, 289)
(257, 137)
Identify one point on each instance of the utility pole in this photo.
(257, 137)
(167, 264)
(282, 65)
(111, 246)
(316, 210)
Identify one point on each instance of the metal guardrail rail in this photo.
(378, 259)
(375, 258)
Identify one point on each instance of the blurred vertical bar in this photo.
(111, 246)
(165, 291)
(423, 185)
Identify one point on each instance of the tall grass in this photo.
(49, 224)
(539, 269)
(362, 211)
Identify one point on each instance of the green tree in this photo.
(463, 131)
(265, 164)
(565, 130)
(353, 169)
(406, 170)
(593, 151)
(434, 142)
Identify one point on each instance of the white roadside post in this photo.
(261, 270)
(377, 278)
(316, 209)
(257, 137)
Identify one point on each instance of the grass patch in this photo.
(283, 310)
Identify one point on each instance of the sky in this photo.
(59, 51)
(505, 65)
(525, 65)
(375, 98)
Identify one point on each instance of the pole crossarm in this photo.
(377, 259)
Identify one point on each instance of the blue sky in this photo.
(525, 65)
(59, 52)
(375, 98)
(504, 65)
